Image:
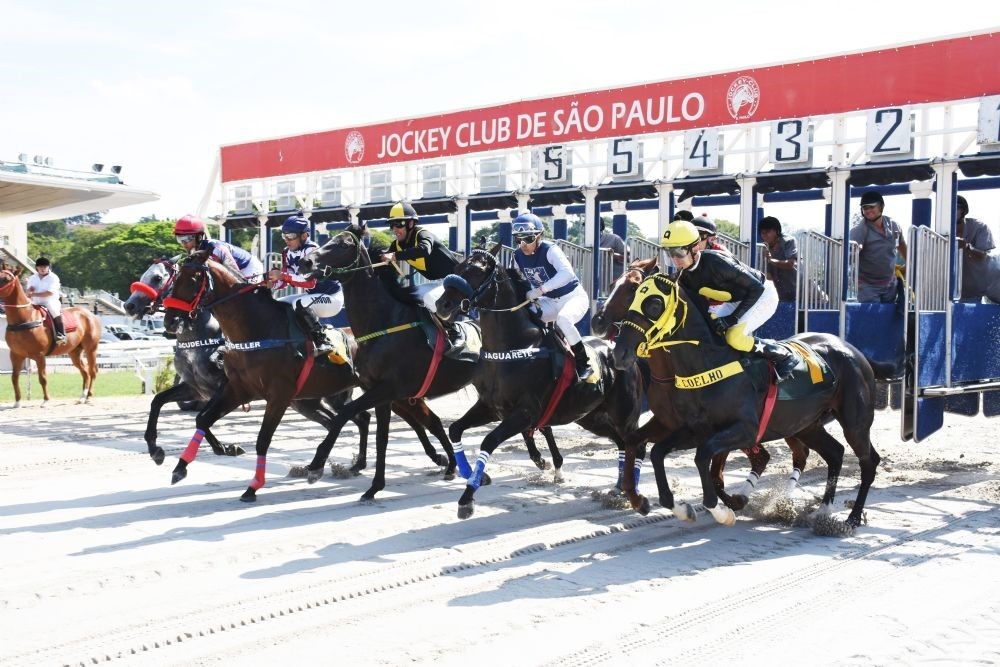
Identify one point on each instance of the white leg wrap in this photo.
(793, 482)
(723, 514)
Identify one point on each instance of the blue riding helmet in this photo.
(295, 224)
(527, 224)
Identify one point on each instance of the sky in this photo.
(158, 87)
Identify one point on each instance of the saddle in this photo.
(812, 375)
(466, 344)
(560, 350)
(340, 354)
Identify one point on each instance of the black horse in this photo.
(201, 378)
(394, 361)
(267, 357)
(516, 383)
(721, 395)
(666, 419)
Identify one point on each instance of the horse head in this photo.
(472, 277)
(339, 257)
(148, 292)
(656, 313)
(8, 285)
(199, 283)
(613, 309)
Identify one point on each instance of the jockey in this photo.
(44, 290)
(746, 299)
(422, 250)
(322, 298)
(190, 233)
(707, 231)
(554, 285)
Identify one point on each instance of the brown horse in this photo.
(661, 399)
(30, 336)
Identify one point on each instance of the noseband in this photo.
(194, 306)
(156, 295)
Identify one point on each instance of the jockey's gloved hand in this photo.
(534, 294)
(722, 324)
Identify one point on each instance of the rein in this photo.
(472, 296)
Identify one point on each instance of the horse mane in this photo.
(518, 282)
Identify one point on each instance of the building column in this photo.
(462, 225)
(619, 219)
(559, 226)
(664, 213)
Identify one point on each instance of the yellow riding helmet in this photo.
(680, 234)
(402, 211)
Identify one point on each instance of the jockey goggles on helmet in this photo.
(291, 236)
(185, 238)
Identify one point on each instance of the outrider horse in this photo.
(268, 357)
(30, 336)
(394, 361)
(666, 419)
(726, 399)
(518, 383)
(201, 378)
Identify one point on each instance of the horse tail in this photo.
(886, 371)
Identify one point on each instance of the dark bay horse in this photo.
(394, 361)
(29, 336)
(267, 358)
(666, 419)
(201, 378)
(721, 395)
(516, 384)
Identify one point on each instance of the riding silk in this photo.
(538, 270)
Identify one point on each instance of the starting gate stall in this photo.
(897, 119)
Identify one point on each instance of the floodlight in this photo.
(116, 169)
(98, 167)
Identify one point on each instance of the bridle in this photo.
(155, 295)
(206, 285)
(657, 327)
(10, 285)
(355, 265)
(491, 282)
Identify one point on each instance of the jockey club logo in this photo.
(354, 147)
(743, 98)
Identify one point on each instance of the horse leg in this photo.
(533, 453)
(859, 438)
(557, 457)
(156, 453)
(513, 424)
(16, 362)
(480, 413)
(273, 412)
(759, 458)
(221, 404)
(799, 455)
(363, 421)
(630, 454)
(832, 452)
(43, 378)
(382, 415)
(419, 416)
(361, 404)
(91, 352)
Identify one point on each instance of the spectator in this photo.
(684, 214)
(782, 257)
(975, 240)
(881, 241)
(44, 290)
(611, 240)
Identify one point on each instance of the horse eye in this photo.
(652, 307)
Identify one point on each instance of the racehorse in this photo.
(267, 357)
(394, 361)
(201, 377)
(726, 399)
(516, 383)
(30, 336)
(665, 417)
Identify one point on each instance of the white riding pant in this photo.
(254, 269)
(566, 311)
(760, 312)
(51, 304)
(431, 295)
(324, 305)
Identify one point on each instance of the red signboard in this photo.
(938, 71)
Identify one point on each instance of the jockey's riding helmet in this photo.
(872, 197)
(527, 226)
(43, 261)
(400, 212)
(295, 224)
(680, 234)
(189, 224)
(705, 226)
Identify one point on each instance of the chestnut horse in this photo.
(725, 398)
(30, 336)
(665, 418)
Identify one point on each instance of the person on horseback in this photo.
(707, 230)
(555, 287)
(190, 233)
(737, 298)
(43, 290)
(419, 248)
(322, 298)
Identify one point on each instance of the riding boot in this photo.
(783, 359)
(450, 331)
(315, 329)
(583, 369)
(60, 329)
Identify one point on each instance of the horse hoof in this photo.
(44, 403)
(158, 455)
(539, 463)
(368, 495)
(485, 481)
(685, 512)
(235, 450)
(312, 476)
(465, 511)
(177, 476)
(557, 476)
(643, 507)
(442, 460)
(357, 468)
(449, 475)
(17, 404)
(249, 496)
(737, 502)
(723, 515)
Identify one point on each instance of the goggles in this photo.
(525, 238)
(185, 238)
(397, 224)
(677, 252)
(290, 236)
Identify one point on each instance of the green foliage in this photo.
(67, 385)
(165, 375)
(727, 228)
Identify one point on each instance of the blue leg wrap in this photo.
(463, 463)
(477, 475)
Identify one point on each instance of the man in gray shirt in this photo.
(975, 241)
(782, 257)
(880, 239)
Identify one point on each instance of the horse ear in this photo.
(201, 256)
(495, 249)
